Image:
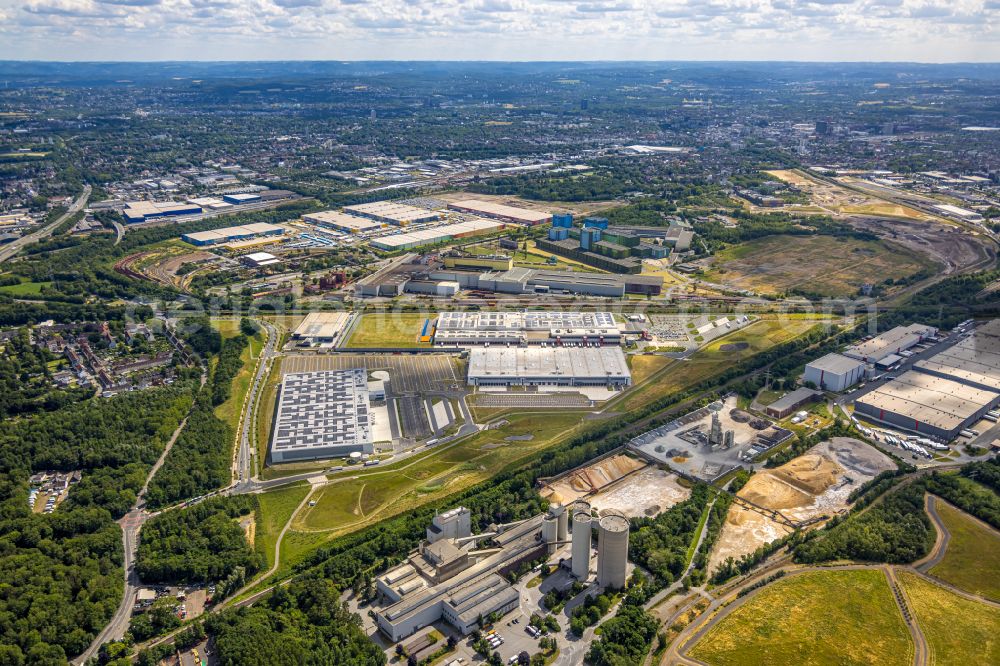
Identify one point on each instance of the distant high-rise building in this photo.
(824, 127)
(373, 115)
(584, 104)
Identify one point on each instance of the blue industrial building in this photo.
(558, 233)
(562, 220)
(589, 237)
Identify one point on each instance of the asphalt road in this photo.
(243, 467)
(12, 248)
(131, 524)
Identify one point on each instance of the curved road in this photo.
(16, 246)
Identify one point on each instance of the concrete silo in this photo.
(550, 533)
(562, 518)
(581, 543)
(612, 550)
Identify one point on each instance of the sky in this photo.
(803, 30)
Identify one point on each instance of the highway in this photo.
(12, 248)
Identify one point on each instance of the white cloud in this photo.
(935, 30)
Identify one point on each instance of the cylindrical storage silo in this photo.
(612, 550)
(550, 533)
(581, 545)
(562, 517)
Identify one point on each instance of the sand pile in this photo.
(812, 473)
(772, 492)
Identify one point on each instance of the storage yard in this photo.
(646, 493)
(710, 442)
(814, 484)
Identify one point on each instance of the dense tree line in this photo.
(660, 544)
(229, 364)
(199, 459)
(301, 624)
(203, 543)
(62, 572)
(986, 472)
(112, 432)
(894, 530)
(625, 639)
(960, 490)
(713, 528)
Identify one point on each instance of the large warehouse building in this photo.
(464, 329)
(891, 342)
(141, 211)
(974, 361)
(928, 404)
(322, 415)
(834, 372)
(392, 212)
(556, 366)
(946, 393)
(432, 236)
(332, 219)
(321, 328)
(501, 212)
(229, 234)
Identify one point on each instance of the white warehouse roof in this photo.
(549, 364)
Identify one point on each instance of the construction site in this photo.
(805, 490)
(618, 482)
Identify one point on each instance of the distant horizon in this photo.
(622, 61)
(927, 31)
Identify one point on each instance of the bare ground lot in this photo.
(646, 493)
(622, 483)
(951, 246)
(816, 483)
(825, 265)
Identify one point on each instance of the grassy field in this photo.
(677, 375)
(818, 264)
(645, 365)
(958, 631)
(390, 329)
(972, 561)
(229, 411)
(366, 495)
(812, 619)
(276, 508)
(24, 288)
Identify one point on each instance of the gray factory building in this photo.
(454, 580)
(322, 415)
(529, 280)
